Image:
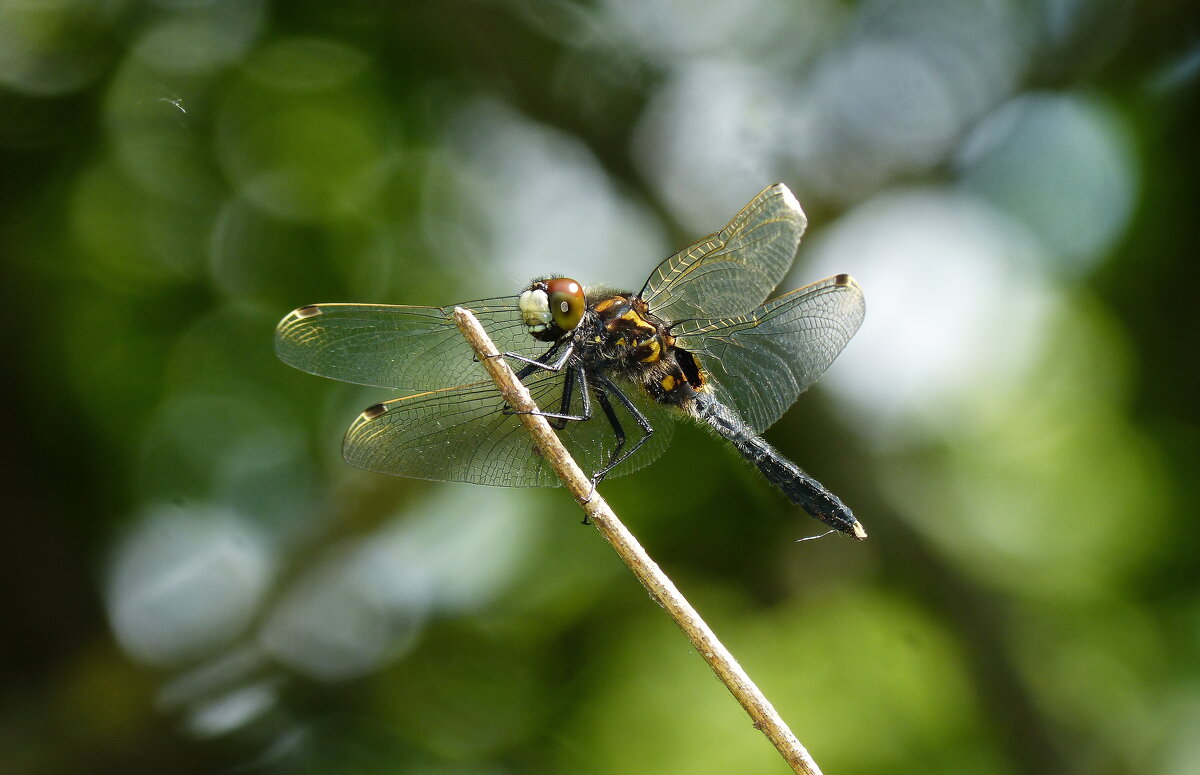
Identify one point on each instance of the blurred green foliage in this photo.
(200, 584)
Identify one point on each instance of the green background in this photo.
(195, 582)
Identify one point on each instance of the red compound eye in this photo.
(566, 302)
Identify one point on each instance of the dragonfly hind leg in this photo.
(618, 455)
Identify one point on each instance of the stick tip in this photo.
(859, 531)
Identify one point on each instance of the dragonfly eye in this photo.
(566, 302)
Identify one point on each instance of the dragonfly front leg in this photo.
(542, 362)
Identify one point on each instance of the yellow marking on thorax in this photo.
(632, 316)
(609, 303)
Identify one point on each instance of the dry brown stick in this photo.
(765, 717)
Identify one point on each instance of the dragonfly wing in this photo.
(760, 362)
(463, 434)
(400, 347)
(731, 272)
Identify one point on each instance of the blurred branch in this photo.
(765, 717)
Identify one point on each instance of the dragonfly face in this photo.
(610, 369)
(552, 307)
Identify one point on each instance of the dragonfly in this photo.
(610, 369)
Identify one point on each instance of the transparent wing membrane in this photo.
(760, 362)
(732, 271)
(398, 347)
(463, 434)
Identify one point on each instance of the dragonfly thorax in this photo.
(621, 336)
(628, 331)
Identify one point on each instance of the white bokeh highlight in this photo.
(955, 300)
(186, 581)
(369, 600)
(525, 200)
(1063, 165)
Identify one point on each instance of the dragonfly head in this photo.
(552, 307)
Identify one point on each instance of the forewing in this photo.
(731, 272)
(399, 347)
(463, 434)
(759, 363)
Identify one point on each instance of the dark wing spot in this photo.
(371, 412)
(312, 310)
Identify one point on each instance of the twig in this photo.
(660, 587)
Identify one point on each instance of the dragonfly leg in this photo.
(564, 411)
(558, 420)
(588, 499)
(614, 456)
(533, 364)
(543, 361)
(618, 456)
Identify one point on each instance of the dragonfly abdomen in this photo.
(800, 488)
